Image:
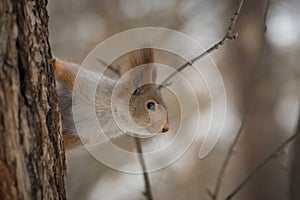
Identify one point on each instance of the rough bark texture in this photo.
(295, 167)
(32, 161)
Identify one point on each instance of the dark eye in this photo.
(151, 106)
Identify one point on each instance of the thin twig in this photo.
(245, 117)
(228, 158)
(273, 155)
(147, 193)
(210, 194)
(112, 68)
(230, 35)
(294, 164)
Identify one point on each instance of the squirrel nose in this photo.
(166, 127)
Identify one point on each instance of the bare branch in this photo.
(210, 194)
(110, 67)
(272, 156)
(230, 35)
(294, 166)
(147, 192)
(228, 157)
(245, 117)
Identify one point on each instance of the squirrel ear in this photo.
(145, 72)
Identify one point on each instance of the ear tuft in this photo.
(141, 57)
(147, 73)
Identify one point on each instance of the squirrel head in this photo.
(145, 104)
(148, 110)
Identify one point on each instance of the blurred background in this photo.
(260, 71)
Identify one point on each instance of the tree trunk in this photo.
(32, 160)
(295, 166)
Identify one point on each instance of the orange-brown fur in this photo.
(63, 74)
(72, 141)
(67, 77)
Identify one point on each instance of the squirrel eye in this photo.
(151, 106)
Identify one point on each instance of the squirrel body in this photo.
(132, 104)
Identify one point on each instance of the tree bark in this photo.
(32, 159)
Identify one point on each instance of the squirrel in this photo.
(138, 101)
